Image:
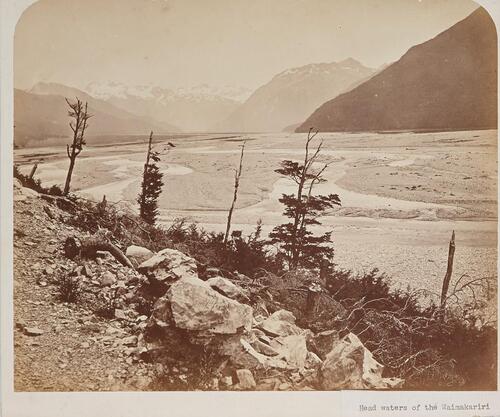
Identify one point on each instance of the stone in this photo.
(343, 366)
(292, 349)
(284, 386)
(85, 345)
(129, 341)
(227, 381)
(196, 306)
(138, 254)
(264, 348)
(169, 265)
(280, 323)
(372, 370)
(33, 331)
(245, 355)
(227, 288)
(120, 314)
(246, 380)
(313, 361)
(108, 279)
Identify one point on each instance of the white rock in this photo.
(246, 380)
(138, 253)
(169, 265)
(280, 323)
(196, 306)
(230, 289)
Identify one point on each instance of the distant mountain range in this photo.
(446, 83)
(293, 94)
(192, 109)
(41, 116)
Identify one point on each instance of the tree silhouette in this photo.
(79, 112)
(297, 244)
(151, 185)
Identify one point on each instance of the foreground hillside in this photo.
(180, 314)
(447, 83)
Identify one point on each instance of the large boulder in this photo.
(168, 266)
(196, 306)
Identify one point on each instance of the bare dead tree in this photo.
(33, 170)
(79, 113)
(449, 270)
(237, 176)
(88, 248)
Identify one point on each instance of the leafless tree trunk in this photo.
(33, 170)
(298, 221)
(88, 248)
(79, 112)
(449, 270)
(237, 176)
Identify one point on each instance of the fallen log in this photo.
(88, 247)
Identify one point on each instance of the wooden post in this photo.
(449, 270)
(33, 170)
(313, 296)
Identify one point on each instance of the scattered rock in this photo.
(108, 279)
(120, 314)
(130, 341)
(246, 380)
(33, 331)
(227, 381)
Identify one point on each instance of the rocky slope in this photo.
(42, 114)
(158, 325)
(446, 83)
(293, 94)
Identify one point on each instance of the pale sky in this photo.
(182, 43)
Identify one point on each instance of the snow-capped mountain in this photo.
(42, 113)
(294, 94)
(196, 108)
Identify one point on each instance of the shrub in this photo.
(69, 288)
(35, 183)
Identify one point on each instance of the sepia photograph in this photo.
(230, 195)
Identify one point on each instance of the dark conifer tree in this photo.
(297, 244)
(151, 186)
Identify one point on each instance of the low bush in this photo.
(69, 289)
(36, 184)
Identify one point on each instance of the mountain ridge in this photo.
(292, 94)
(446, 83)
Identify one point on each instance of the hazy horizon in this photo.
(174, 44)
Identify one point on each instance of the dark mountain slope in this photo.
(446, 83)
